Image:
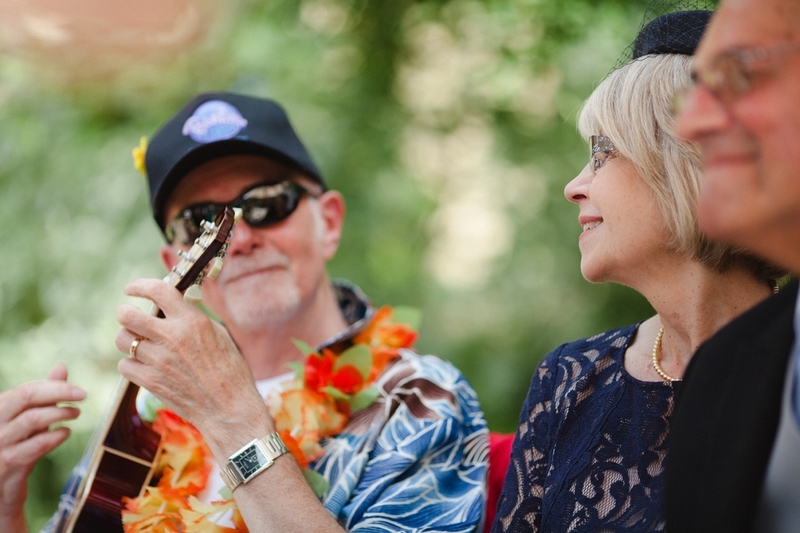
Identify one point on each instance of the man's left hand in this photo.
(190, 363)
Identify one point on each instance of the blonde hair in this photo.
(633, 106)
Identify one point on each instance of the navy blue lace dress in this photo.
(589, 451)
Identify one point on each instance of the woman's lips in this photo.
(588, 222)
(591, 225)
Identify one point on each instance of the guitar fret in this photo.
(129, 457)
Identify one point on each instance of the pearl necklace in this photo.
(660, 371)
(657, 367)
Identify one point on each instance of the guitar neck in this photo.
(124, 448)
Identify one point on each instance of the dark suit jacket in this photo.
(725, 420)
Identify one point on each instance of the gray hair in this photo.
(633, 106)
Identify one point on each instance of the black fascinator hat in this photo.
(674, 33)
(669, 27)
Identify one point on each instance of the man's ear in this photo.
(331, 209)
(169, 256)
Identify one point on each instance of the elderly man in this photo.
(410, 455)
(734, 459)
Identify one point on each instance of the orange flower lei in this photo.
(317, 403)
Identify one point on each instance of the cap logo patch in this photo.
(214, 120)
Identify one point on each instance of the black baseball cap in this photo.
(216, 125)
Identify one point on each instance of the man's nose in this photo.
(244, 238)
(701, 114)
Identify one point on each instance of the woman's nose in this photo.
(578, 189)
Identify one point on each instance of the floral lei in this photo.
(317, 403)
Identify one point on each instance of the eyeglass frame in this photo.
(728, 85)
(600, 144)
(216, 207)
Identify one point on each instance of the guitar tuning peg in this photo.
(216, 266)
(237, 214)
(193, 294)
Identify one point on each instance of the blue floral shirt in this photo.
(589, 451)
(414, 461)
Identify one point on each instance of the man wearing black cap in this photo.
(406, 452)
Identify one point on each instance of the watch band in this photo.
(257, 455)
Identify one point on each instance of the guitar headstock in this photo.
(210, 247)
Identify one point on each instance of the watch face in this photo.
(249, 461)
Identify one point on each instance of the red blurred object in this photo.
(499, 458)
(86, 38)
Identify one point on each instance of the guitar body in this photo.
(125, 448)
(120, 467)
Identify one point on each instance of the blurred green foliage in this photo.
(449, 125)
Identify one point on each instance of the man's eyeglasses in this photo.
(602, 149)
(262, 206)
(735, 72)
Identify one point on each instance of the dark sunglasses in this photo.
(262, 206)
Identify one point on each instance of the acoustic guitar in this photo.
(123, 452)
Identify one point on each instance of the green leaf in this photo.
(411, 316)
(364, 398)
(151, 405)
(299, 369)
(359, 356)
(336, 393)
(304, 347)
(226, 493)
(318, 483)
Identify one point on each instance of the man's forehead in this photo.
(228, 171)
(748, 24)
(243, 163)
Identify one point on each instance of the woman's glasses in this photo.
(262, 206)
(602, 149)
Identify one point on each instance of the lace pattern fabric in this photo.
(591, 443)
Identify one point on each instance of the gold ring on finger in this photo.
(134, 345)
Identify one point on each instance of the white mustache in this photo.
(237, 266)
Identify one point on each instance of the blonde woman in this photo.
(589, 452)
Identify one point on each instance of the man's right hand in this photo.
(27, 413)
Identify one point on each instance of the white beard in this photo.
(264, 298)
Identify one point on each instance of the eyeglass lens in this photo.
(731, 74)
(601, 148)
(261, 205)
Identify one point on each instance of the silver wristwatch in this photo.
(252, 459)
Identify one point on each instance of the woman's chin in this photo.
(592, 274)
